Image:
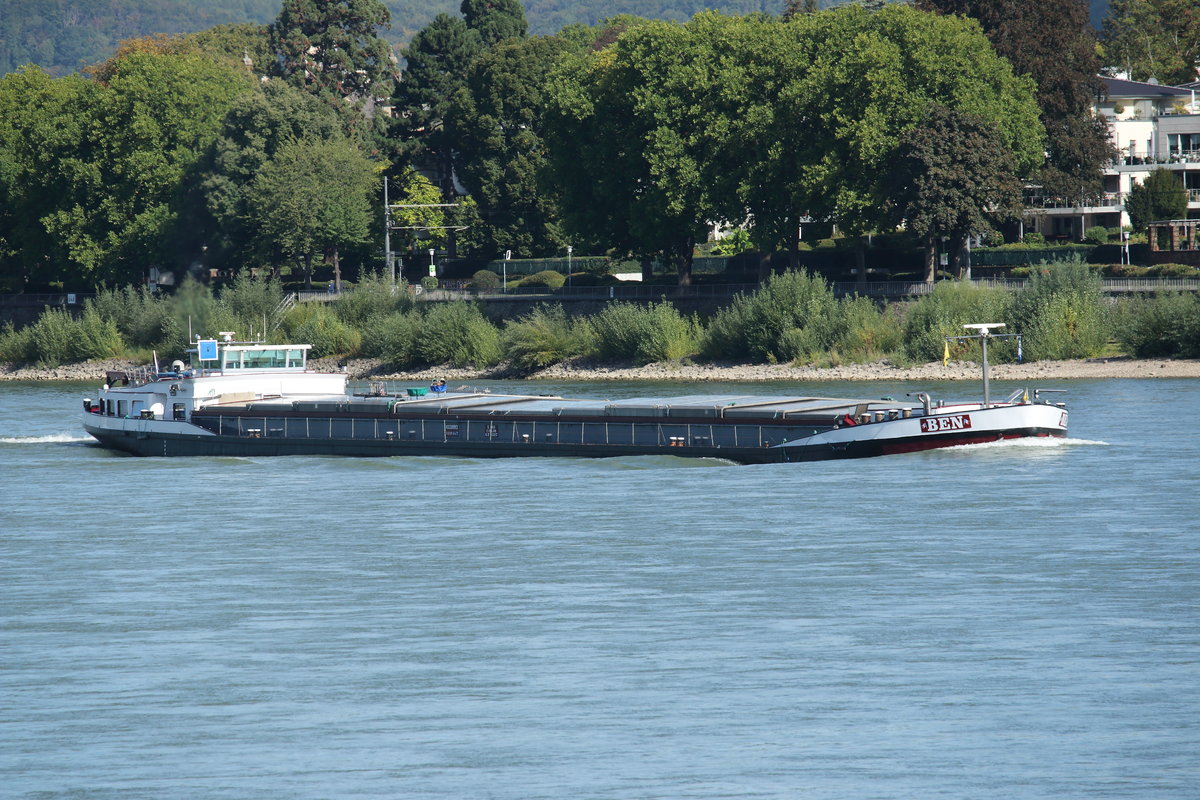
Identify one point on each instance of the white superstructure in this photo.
(220, 371)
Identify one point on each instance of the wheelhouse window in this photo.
(271, 358)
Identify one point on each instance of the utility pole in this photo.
(387, 233)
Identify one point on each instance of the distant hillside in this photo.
(63, 35)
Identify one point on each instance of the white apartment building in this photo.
(1151, 126)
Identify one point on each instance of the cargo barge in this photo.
(253, 399)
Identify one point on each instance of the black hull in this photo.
(171, 444)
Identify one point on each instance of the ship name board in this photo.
(945, 422)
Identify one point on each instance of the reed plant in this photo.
(375, 295)
(868, 332)
(458, 334)
(392, 338)
(546, 336)
(317, 324)
(944, 311)
(198, 313)
(146, 321)
(60, 338)
(1167, 325)
(644, 334)
(254, 302)
(792, 316)
(1062, 313)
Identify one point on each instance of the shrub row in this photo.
(793, 317)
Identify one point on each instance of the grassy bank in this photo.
(792, 319)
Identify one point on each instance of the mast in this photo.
(984, 335)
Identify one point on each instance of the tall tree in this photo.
(1160, 197)
(434, 78)
(1055, 44)
(496, 20)
(626, 144)
(47, 160)
(314, 196)
(502, 127)
(332, 46)
(818, 139)
(953, 175)
(256, 127)
(138, 134)
(1157, 39)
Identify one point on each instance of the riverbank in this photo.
(1117, 367)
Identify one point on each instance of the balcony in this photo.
(1111, 201)
(1153, 160)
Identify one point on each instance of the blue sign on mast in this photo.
(207, 349)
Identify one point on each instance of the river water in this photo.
(1012, 620)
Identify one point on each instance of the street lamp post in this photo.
(569, 249)
(504, 285)
(432, 265)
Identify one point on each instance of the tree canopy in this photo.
(953, 176)
(1160, 197)
(313, 195)
(760, 122)
(1055, 44)
(496, 20)
(333, 46)
(501, 129)
(1157, 39)
(627, 138)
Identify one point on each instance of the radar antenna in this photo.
(984, 335)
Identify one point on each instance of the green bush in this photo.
(588, 279)
(16, 346)
(374, 296)
(1062, 313)
(546, 336)
(429, 283)
(1096, 235)
(759, 327)
(548, 278)
(1164, 326)
(392, 338)
(1124, 271)
(1034, 238)
(597, 266)
(485, 279)
(943, 313)
(1173, 271)
(144, 319)
(254, 303)
(644, 334)
(58, 338)
(458, 334)
(318, 325)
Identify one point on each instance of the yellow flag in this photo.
(945, 354)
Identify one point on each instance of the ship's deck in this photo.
(734, 408)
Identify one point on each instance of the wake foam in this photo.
(1036, 443)
(54, 438)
